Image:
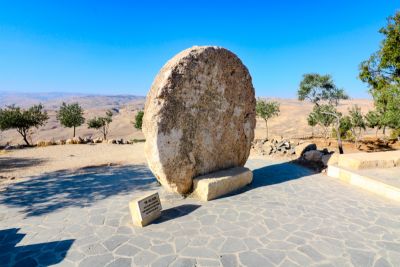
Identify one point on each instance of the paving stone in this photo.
(115, 241)
(94, 249)
(120, 262)
(253, 259)
(207, 263)
(382, 262)
(164, 261)
(163, 249)
(144, 258)
(98, 260)
(229, 260)
(198, 252)
(310, 221)
(274, 256)
(233, 245)
(183, 262)
(127, 250)
(361, 258)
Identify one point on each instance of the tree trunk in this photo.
(74, 131)
(26, 140)
(339, 141)
(312, 131)
(384, 130)
(266, 126)
(104, 133)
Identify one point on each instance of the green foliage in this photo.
(22, 120)
(357, 121)
(267, 110)
(373, 119)
(316, 88)
(395, 134)
(324, 115)
(101, 124)
(312, 120)
(70, 115)
(138, 140)
(139, 120)
(345, 126)
(382, 73)
(383, 67)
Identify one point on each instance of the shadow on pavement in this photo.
(78, 188)
(278, 173)
(43, 254)
(176, 212)
(11, 163)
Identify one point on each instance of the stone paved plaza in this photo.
(287, 217)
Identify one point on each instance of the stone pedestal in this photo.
(145, 209)
(216, 184)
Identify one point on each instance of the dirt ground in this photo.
(34, 161)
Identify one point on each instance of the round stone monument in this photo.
(199, 116)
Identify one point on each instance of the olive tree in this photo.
(266, 110)
(382, 74)
(139, 120)
(70, 115)
(357, 122)
(317, 89)
(102, 124)
(23, 120)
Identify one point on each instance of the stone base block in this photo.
(216, 184)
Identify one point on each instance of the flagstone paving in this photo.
(287, 217)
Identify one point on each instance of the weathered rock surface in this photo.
(304, 147)
(199, 116)
(313, 155)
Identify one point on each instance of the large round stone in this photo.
(199, 116)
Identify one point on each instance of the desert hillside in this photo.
(290, 123)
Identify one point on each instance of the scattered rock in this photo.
(199, 116)
(112, 141)
(41, 143)
(60, 142)
(69, 142)
(98, 140)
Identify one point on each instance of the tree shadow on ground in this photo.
(11, 163)
(78, 188)
(43, 254)
(176, 212)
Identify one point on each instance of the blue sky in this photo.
(117, 47)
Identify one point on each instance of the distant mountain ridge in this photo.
(52, 100)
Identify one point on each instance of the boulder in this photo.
(199, 116)
(60, 142)
(77, 140)
(49, 143)
(330, 159)
(112, 141)
(69, 141)
(313, 155)
(304, 147)
(98, 140)
(41, 143)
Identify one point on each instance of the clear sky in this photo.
(117, 47)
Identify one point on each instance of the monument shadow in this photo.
(42, 254)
